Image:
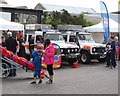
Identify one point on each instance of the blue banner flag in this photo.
(105, 20)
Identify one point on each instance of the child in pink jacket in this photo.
(49, 59)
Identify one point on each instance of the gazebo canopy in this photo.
(7, 25)
(113, 25)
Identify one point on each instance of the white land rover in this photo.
(88, 48)
(69, 52)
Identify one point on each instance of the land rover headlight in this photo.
(61, 50)
(72, 50)
(76, 50)
(68, 51)
(94, 49)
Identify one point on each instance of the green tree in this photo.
(66, 17)
(56, 19)
(63, 17)
(47, 18)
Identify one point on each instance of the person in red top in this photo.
(49, 59)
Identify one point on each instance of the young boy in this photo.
(37, 67)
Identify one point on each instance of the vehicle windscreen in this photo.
(72, 39)
(39, 39)
(54, 37)
(85, 38)
(65, 37)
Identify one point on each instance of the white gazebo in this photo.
(12, 26)
(97, 30)
(7, 25)
(113, 25)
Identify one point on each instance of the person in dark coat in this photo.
(11, 45)
(21, 52)
(108, 54)
(37, 66)
(113, 51)
(31, 44)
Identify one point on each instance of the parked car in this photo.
(69, 53)
(88, 48)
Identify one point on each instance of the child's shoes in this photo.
(49, 82)
(40, 81)
(33, 82)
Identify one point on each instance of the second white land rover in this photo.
(88, 48)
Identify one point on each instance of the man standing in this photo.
(108, 54)
(31, 44)
(11, 45)
(113, 51)
(21, 52)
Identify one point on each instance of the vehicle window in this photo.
(65, 38)
(86, 38)
(29, 37)
(53, 36)
(72, 39)
(82, 37)
(39, 39)
(60, 37)
(57, 49)
(89, 38)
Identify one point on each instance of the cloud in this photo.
(95, 4)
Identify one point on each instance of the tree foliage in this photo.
(63, 17)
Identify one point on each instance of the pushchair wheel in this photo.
(5, 70)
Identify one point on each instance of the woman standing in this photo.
(117, 47)
(49, 59)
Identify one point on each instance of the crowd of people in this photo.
(12, 44)
(112, 49)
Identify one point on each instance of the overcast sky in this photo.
(112, 5)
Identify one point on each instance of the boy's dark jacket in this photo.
(36, 61)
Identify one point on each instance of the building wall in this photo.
(6, 16)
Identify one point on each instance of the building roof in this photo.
(49, 7)
(11, 6)
(115, 17)
(70, 9)
(3, 2)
